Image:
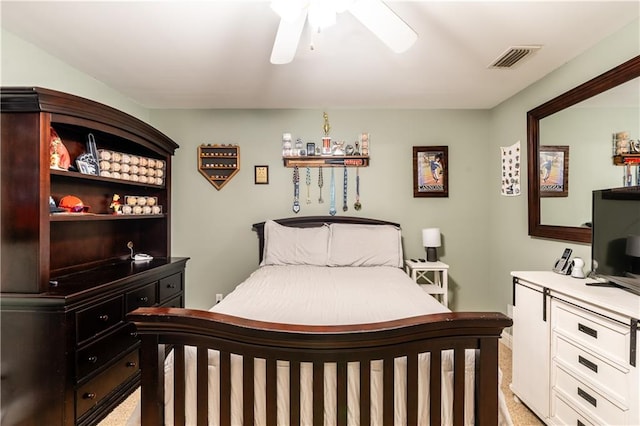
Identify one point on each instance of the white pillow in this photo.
(285, 245)
(365, 245)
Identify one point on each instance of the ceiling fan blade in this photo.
(384, 23)
(287, 39)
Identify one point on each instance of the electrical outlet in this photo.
(219, 297)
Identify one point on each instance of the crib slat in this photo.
(294, 392)
(318, 393)
(341, 390)
(225, 388)
(202, 397)
(365, 392)
(388, 394)
(272, 391)
(412, 388)
(152, 381)
(247, 390)
(487, 382)
(458, 387)
(178, 385)
(435, 389)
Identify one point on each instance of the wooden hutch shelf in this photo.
(107, 181)
(327, 161)
(68, 355)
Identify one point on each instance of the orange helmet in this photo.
(73, 204)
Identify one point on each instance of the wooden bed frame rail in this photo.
(342, 344)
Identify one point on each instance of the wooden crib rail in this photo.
(341, 344)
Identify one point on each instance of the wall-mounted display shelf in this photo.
(326, 161)
(218, 163)
(623, 159)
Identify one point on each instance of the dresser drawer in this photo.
(610, 378)
(142, 297)
(564, 414)
(170, 286)
(99, 318)
(94, 356)
(606, 337)
(90, 394)
(588, 399)
(176, 302)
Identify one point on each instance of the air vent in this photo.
(514, 55)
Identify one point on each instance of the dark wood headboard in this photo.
(313, 222)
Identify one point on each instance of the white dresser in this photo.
(576, 350)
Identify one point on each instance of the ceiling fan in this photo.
(373, 14)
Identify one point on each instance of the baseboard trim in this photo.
(506, 339)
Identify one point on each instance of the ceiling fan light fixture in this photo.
(321, 15)
(376, 16)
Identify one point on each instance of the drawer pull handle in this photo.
(89, 395)
(134, 334)
(588, 330)
(144, 299)
(93, 359)
(590, 365)
(131, 364)
(591, 400)
(171, 286)
(104, 317)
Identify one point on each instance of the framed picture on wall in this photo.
(430, 171)
(554, 171)
(261, 175)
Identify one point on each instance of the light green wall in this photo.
(214, 227)
(511, 247)
(484, 234)
(23, 64)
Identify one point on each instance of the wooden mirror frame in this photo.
(610, 79)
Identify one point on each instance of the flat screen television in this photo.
(616, 217)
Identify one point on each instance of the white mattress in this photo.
(319, 295)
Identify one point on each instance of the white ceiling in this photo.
(215, 54)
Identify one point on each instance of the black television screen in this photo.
(616, 217)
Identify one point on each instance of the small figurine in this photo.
(115, 204)
(337, 148)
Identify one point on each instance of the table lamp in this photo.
(431, 241)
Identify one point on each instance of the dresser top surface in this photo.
(612, 299)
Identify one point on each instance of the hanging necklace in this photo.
(308, 182)
(344, 191)
(332, 194)
(357, 204)
(320, 184)
(296, 190)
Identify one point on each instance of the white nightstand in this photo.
(438, 283)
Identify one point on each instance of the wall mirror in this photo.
(583, 119)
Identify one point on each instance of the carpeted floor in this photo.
(519, 413)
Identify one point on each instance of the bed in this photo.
(327, 331)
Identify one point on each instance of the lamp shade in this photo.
(633, 246)
(431, 237)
